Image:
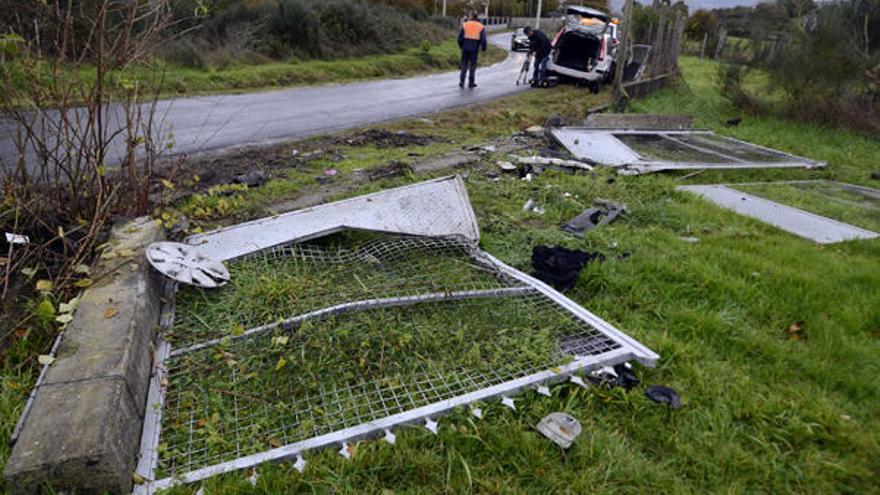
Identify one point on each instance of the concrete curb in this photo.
(82, 431)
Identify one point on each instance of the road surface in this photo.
(210, 123)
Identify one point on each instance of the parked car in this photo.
(584, 48)
(519, 40)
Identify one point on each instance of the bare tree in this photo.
(78, 95)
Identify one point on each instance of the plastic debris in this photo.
(330, 172)
(477, 412)
(553, 162)
(533, 207)
(560, 267)
(254, 477)
(508, 402)
(17, 239)
(689, 239)
(578, 381)
(187, 264)
(506, 166)
(346, 450)
(592, 218)
(562, 429)
(300, 464)
(431, 425)
(390, 437)
(535, 130)
(544, 390)
(664, 395)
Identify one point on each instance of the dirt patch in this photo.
(383, 138)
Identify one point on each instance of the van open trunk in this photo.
(575, 49)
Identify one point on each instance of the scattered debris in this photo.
(733, 122)
(555, 120)
(560, 267)
(254, 178)
(562, 429)
(17, 239)
(386, 139)
(875, 175)
(602, 215)
(539, 160)
(388, 171)
(664, 395)
(798, 222)
(330, 172)
(535, 130)
(690, 239)
(311, 155)
(490, 148)
(795, 331)
(186, 264)
(533, 207)
(507, 167)
(625, 376)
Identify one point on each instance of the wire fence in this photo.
(313, 339)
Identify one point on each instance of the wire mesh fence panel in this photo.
(299, 278)
(732, 148)
(324, 341)
(653, 146)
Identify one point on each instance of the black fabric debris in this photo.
(733, 122)
(664, 395)
(560, 267)
(875, 175)
(625, 376)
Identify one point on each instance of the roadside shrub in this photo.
(825, 65)
(303, 29)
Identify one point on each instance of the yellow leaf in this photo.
(61, 232)
(280, 364)
(45, 359)
(281, 340)
(64, 319)
(44, 285)
(110, 313)
(167, 183)
(238, 330)
(82, 284)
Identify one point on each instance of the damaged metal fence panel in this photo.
(357, 406)
(799, 222)
(639, 151)
(434, 208)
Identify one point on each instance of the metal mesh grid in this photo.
(235, 399)
(737, 150)
(299, 278)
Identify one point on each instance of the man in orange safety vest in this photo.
(471, 39)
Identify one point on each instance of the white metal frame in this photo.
(601, 146)
(629, 349)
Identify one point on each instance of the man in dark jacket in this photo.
(471, 39)
(540, 46)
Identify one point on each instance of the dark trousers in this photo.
(468, 63)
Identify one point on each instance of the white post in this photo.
(538, 17)
(486, 15)
(444, 8)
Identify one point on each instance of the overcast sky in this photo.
(617, 5)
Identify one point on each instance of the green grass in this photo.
(762, 413)
(177, 80)
(444, 56)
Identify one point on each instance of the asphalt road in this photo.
(211, 123)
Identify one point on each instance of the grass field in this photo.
(766, 409)
(416, 60)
